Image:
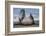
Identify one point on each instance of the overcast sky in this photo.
(28, 11)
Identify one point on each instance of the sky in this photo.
(33, 11)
